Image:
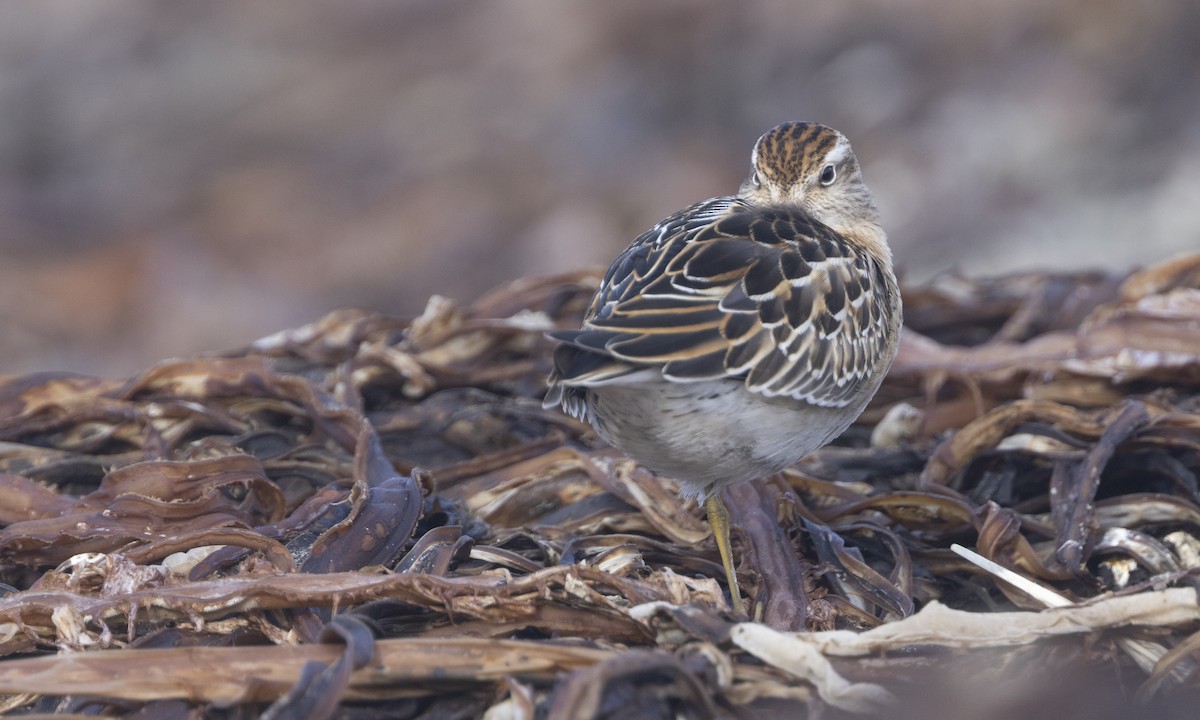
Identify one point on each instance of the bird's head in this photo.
(811, 166)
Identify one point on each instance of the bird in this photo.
(741, 333)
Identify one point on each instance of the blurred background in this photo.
(188, 176)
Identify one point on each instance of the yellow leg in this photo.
(718, 518)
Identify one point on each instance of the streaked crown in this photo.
(796, 152)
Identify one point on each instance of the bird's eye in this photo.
(755, 179)
(828, 175)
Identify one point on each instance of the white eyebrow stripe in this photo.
(839, 152)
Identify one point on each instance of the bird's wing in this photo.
(721, 290)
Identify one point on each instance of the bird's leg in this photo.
(718, 518)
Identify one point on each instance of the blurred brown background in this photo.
(191, 175)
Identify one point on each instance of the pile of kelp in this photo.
(369, 517)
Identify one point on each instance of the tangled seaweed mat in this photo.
(373, 518)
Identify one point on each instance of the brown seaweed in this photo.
(372, 513)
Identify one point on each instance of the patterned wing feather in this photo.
(720, 290)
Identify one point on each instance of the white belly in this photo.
(713, 433)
